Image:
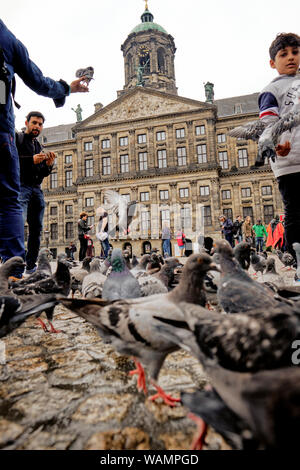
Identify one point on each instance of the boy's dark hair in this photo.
(35, 114)
(282, 41)
(83, 214)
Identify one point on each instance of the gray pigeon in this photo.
(142, 265)
(296, 247)
(237, 291)
(286, 258)
(129, 324)
(120, 284)
(6, 270)
(271, 276)
(92, 283)
(242, 253)
(15, 310)
(43, 269)
(88, 73)
(258, 262)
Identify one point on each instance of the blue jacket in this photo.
(17, 61)
(227, 227)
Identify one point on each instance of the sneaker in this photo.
(15, 279)
(30, 271)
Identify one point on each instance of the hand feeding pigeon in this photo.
(129, 324)
(14, 311)
(124, 210)
(88, 73)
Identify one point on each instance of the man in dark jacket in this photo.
(227, 227)
(34, 167)
(14, 59)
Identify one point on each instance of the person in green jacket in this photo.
(260, 231)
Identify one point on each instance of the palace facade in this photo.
(170, 153)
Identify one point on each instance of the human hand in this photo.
(38, 158)
(50, 157)
(79, 86)
(283, 149)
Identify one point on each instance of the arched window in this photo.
(161, 60)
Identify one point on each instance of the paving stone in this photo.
(9, 432)
(117, 439)
(71, 358)
(162, 412)
(24, 352)
(27, 366)
(47, 441)
(104, 407)
(12, 389)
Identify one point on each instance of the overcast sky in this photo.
(222, 41)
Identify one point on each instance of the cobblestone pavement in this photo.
(71, 391)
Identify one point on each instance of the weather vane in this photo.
(146, 4)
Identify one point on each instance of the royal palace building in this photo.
(171, 154)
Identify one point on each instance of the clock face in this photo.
(143, 52)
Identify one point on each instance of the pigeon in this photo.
(124, 210)
(242, 254)
(237, 291)
(126, 256)
(58, 283)
(129, 323)
(92, 283)
(141, 266)
(150, 285)
(167, 273)
(266, 401)
(15, 310)
(250, 131)
(258, 263)
(6, 270)
(286, 258)
(271, 277)
(87, 73)
(296, 248)
(78, 274)
(134, 261)
(120, 284)
(43, 269)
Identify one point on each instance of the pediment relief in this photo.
(140, 105)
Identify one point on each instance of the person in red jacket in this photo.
(275, 231)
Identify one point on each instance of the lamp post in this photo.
(47, 235)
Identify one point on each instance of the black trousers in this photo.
(289, 187)
(83, 248)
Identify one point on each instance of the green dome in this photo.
(147, 23)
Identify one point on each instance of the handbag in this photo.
(102, 236)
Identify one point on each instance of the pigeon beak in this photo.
(214, 267)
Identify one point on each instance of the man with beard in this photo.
(35, 165)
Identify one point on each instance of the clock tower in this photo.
(149, 53)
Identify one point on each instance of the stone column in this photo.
(258, 206)
(190, 143)
(115, 163)
(132, 153)
(171, 146)
(61, 222)
(151, 148)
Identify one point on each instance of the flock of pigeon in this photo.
(241, 330)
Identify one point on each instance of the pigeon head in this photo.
(242, 248)
(86, 263)
(11, 265)
(95, 265)
(117, 260)
(45, 253)
(223, 248)
(270, 265)
(199, 264)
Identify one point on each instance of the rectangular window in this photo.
(246, 192)
(68, 159)
(204, 191)
(53, 180)
(165, 217)
(106, 170)
(145, 222)
(143, 161)
(201, 153)
(54, 231)
(207, 216)
(268, 213)
(91, 221)
(144, 197)
(181, 156)
(69, 210)
(123, 141)
(105, 144)
(200, 130)
(160, 136)
(221, 138)
(124, 159)
(127, 197)
(228, 213)
(180, 133)
(223, 159)
(243, 158)
(142, 138)
(184, 192)
(163, 195)
(247, 211)
(162, 158)
(266, 190)
(53, 210)
(69, 178)
(69, 230)
(226, 194)
(185, 216)
(89, 167)
(88, 146)
(89, 201)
